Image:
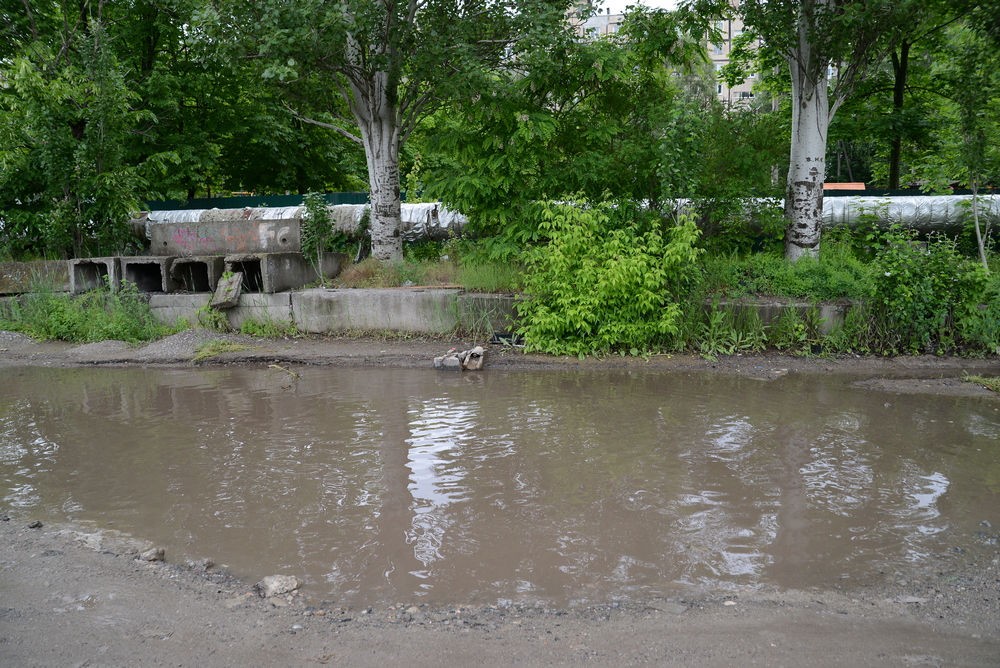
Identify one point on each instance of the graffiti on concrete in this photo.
(252, 236)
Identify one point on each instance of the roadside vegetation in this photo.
(98, 315)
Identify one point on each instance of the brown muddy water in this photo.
(545, 488)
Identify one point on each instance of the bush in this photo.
(920, 290)
(602, 280)
(98, 315)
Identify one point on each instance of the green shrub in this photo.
(93, 316)
(920, 289)
(602, 279)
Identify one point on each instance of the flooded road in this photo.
(551, 488)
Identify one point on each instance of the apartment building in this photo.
(606, 23)
(719, 51)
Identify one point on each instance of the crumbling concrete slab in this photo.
(227, 294)
(20, 277)
(148, 273)
(198, 274)
(94, 272)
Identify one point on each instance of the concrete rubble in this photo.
(466, 360)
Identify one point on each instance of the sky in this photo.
(617, 6)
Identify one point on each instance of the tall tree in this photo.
(816, 39)
(391, 61)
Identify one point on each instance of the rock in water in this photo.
(273, 585)
(475, 359)
(154, 554)
(467, 360)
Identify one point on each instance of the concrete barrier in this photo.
(261, 308)
(20, 277)
(169, 309)
(421, 310)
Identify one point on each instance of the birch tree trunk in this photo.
(807, 161)
(807, 168)
(378, 121)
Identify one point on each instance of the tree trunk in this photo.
(374, 109)
(974, 182)
(807, 164)
(900, 64)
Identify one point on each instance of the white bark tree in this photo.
(371, 69)
(816, 38)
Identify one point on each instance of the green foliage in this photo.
(213, 319)
(269, 329)
(602, 280)
(317, 233)
(838, 274)
(586, 117)
(729, 331)
(919, 291)
(93, 316)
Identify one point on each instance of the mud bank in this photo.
(416, 352)
(72, 598)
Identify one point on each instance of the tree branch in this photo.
(328, 126)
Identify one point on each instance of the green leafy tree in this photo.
(812, 37)
(380, 67)
(67, 109)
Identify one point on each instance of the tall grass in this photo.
(98, 315)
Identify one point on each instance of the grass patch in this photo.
(218, 347)
(482, 277)
(98, 315)
(992, 384)
(838, 274)
(269, 329)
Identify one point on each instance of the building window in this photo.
(717, 49)
(718, 89)
(745, 94)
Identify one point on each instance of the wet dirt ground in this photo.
(74, 594)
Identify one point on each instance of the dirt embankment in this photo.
(79, 595)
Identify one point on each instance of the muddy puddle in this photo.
(548, 488)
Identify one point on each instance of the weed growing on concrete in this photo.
(213, 319)
(269, 329)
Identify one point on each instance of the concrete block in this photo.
(484, 312)
(198, 274)
(261, 308)
(94, 272)
(228, 292)
(423, 310)
(276, 272)
(148, 273)
(20, 277)
(168, 309)
(224, 237)
(770, 312)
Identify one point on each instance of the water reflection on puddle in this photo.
(398, 485)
